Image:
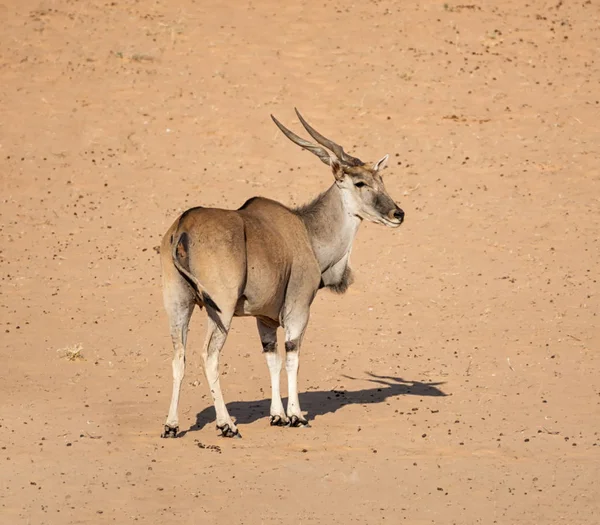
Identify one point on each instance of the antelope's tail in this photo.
(180, 254)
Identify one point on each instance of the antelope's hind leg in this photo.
(179, 303)
(216, 335)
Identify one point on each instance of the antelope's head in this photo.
(361, 184)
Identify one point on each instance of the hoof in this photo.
(228, 433)
(278, 421)
(170, 432)
(297, 422)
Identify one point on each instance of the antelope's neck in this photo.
(331, 227)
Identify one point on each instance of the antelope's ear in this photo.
(336, 166)
(381, 163)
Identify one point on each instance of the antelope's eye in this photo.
(359, 184)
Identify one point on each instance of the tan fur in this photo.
(268, 261)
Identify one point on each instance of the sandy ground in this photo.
(456, 382)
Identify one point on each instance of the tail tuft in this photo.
(207, 300)
(180, 256)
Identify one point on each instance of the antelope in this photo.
(268, 261)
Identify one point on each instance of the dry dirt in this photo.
(456, 382)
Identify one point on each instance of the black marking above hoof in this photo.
(227, 432)
(170, 432)
(278, 421)
(297, 422)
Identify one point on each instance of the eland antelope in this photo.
(267, 260)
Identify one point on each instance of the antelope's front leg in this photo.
(268, 338)
(294, 333)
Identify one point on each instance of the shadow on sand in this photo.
(320, 402)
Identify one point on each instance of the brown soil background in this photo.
(456, 382)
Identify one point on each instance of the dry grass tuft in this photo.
(71, 353)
